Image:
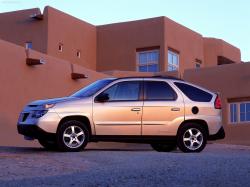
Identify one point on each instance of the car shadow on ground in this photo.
(31, 150)
(13, 149)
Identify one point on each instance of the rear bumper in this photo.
(34, 131)
(219, 135)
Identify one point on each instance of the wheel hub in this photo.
(193, 139)
(73, 137)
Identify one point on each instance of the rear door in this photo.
(163, 108)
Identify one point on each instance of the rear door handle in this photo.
(175, 109)
(135, 109)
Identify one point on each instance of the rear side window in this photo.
(193, 93)
(158, 91)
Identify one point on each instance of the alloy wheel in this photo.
(73, 137)
(193, 139)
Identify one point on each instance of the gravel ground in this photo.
(218, 165)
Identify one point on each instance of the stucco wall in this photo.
(21, 84)
(117, 43)
(74, 34)
(231, 81)
(216, 47)
(17, 27)
(188, 43)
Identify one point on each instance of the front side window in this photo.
(124, 91)
(173, 60)
(194, 93)
(159, 91)
(148, 61)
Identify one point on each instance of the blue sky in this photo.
(225, 19)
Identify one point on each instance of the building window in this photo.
(78, 54)
(244, 112)
(28, 45)
(148, 61)
(233, 113)
(198, 63)
(240, 112)
(173, 60)
(60, 47)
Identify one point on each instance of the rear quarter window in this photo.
(194, 93)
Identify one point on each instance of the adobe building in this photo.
(143, 47)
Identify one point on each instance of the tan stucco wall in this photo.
(216, 47)
(17, 27)
(117, 43)
(113, 46)
(21, 84)
(188, 43)
(117, 73)
(74, 34)
(231, 81)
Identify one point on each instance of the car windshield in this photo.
(92, 88)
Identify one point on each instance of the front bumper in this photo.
(48, 123)
(219, 135)
(34, 131)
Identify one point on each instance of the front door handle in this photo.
(135, 109)
(175, 109)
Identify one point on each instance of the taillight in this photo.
(217, 103)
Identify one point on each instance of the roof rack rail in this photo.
(153, 76)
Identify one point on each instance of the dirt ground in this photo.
(119, 165)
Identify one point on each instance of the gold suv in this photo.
(162, 111)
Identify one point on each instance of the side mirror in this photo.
(103, 97)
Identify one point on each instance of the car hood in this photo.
(53, 101)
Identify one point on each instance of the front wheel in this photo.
(72, 136)
(163, 147)
(191, 138)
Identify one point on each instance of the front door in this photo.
(121, 113)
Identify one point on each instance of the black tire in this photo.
(164, 147)
(69, 143)
(191, 143)
(50, 145)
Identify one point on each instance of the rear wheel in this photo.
(50, 145)
(191, 138)
(163, 147)
(72, 136)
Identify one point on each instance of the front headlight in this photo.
(47, 106)
(39, 113)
